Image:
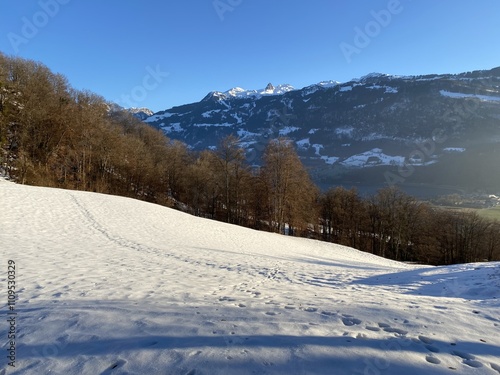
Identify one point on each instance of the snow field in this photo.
(110, 285)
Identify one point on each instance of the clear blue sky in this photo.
(112, 47)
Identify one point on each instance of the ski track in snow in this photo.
(109, 285)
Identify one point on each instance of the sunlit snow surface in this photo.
(110, 285)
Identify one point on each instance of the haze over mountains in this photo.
(376, 130)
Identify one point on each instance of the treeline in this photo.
(53, 135)
(397, 226)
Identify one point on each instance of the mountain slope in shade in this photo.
(411, 119)
(113, 285)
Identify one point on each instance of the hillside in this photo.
(376, 130)
(111, 285)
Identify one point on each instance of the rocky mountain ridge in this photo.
(395, 125)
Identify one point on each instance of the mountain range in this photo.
(439, 132)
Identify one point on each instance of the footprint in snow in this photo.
(387, 328)
(432, 359)
(473, 363)
(441, 307)
(226, 299)
(468, 359)
(425, 339)
(494, 366)
(310, 309)
(350, 321)
(463, 355)
(328, 313)
(432, 348)
(401, 332)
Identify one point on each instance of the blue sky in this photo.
(159, 53)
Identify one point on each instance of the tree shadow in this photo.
(469, 281)
(117, 346)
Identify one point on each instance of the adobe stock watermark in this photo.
(260, 145)
(31, 26)
(364, 36)
(376, 366)
(150, 82)
(223, 6)
(419, 156)
(460, 113)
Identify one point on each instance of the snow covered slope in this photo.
(109, 285)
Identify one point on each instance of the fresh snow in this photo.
(458, 95)
(330, 159)
(224, 124)
(372, 75)
(135, 110)
(287, 130)
(318, 148)
(173, 127)
(345, 88)
(304, 143)
(328, 84)
(388, 89)
(209, 114)
(111, 285)
(345, 131)
(454, 149)
(372, 158)
(155, 118)
(239, 92)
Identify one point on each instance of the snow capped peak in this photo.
(371, 75)
(238, 92)
(235, 91)
(279, 90)
(215, 96)
(327, 84)
(140, 113)
(134, 111)
(269, 87)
